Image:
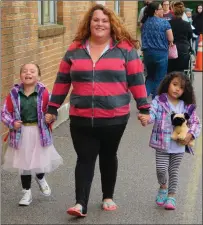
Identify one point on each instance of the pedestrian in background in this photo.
(183, 34)
(141, 14)
(184, 16)
(103, 67)
(188, 13)
(167, 14)
(30, 149)
(198, 23)
(156, 35)
(175, 95)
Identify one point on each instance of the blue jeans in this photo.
(156, 63)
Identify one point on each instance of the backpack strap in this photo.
(9, 104)
(45, 97)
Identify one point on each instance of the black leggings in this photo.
(26, 180)
(89, 143)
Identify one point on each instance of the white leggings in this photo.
(168, 162)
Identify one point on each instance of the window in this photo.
(101, 2)
(47, 12)
(117, 7)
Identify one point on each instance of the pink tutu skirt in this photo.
(31, 157)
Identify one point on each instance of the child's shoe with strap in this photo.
(161, 197)
(170, 203)
(26, 199)
(43, 186)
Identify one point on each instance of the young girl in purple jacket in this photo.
(30, 150)
(175, 95)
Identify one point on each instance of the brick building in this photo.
(40, 32)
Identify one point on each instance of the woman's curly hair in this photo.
(118, 30)
(188, 95)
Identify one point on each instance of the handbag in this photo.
(4, 148)
(172, 52)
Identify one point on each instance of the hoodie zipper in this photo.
(93, 82)
(93, 93)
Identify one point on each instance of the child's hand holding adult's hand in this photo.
(17, 124)
(49, 118)
(144, 119)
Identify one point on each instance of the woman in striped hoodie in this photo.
(103, 67)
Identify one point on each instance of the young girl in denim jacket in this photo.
(30, 149)
(176, 95)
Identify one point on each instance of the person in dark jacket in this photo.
(198, 23)
(182, 32)
(103, 67)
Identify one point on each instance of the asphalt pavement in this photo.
(135, 189)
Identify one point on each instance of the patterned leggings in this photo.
(168, 162)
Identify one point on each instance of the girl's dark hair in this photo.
(150, 10)
(188, 95)
(39, 71)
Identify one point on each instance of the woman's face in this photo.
(166, 6)
(199, 9)
(159, 12)
(100, 25)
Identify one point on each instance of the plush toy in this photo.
(179, 121)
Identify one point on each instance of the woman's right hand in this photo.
(49, 118)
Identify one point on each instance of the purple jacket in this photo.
(160, 114)
(9, 118)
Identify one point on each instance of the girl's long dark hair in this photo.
(150, 10)
(188, 95)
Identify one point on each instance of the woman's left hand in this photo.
(171, 44)
(187, 139)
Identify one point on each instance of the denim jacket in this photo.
(8, 118)
(160, 115)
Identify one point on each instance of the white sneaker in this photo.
(43, 186)
(27, 198)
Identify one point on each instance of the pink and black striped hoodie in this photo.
(101, 90)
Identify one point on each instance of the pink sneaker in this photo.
(170, 203)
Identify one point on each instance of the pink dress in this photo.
(31, 157)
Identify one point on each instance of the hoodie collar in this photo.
(38, 88)
(112, 43)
